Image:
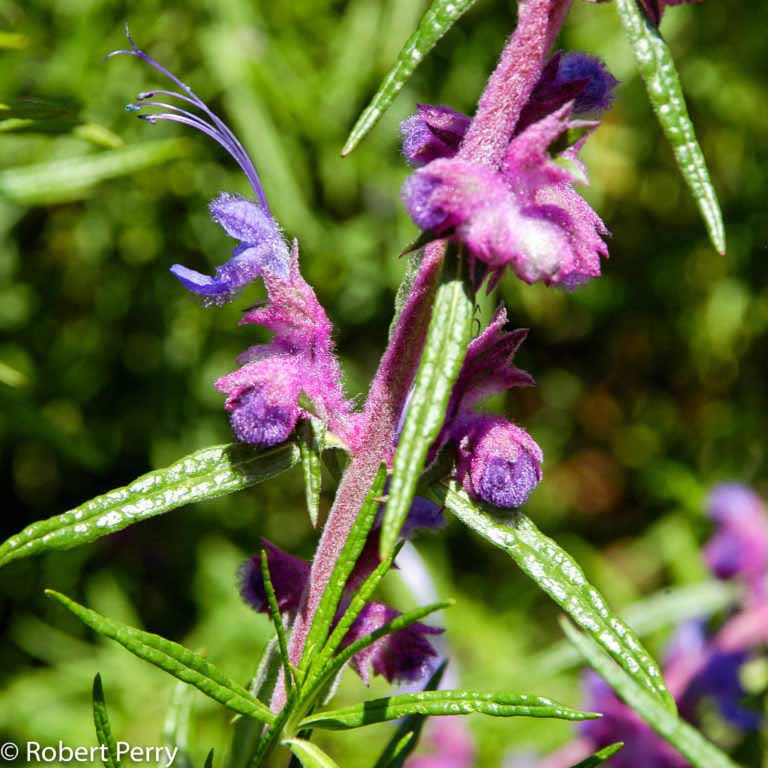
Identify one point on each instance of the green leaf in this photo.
(103, 729)
(657, 67)
(60, 181)
(677, 732)
(329, 603)
(172, 658)
(600, 757)
(436, 703)
(176, 726)
(558, 574)
(209, 759)
(406, 737)
(310, 754)
(205, 474)
(277, 619)
(438, 19)
(450, 328)
(310, 437)
(669, 607)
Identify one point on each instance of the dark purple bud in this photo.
(289, 576)
(405, 655)
(433, 132)
(597, 92)
(421, 196)
(498, 461)
(739, 548)
(260, 421)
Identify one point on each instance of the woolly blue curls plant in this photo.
(491, 194)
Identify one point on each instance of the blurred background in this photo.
(650, 380)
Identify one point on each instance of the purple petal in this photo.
(597, 93)
(433, 132)
(289, 576)
(244, 220)
(405, 655)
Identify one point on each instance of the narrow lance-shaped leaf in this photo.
(353, 546)
(407, 735)
(172, 658)
(277, 620)
(657, 67)
(439, 18)
(450, 328)
(600, 757)
(176, 727)
(558, 574)
(103, 729)
(205, 474)
(437, 703)
(310, 437)
(677, 732)
(310, 754)
(667, 608)
(209, 759)
(322, 668)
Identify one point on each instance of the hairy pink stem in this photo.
(513, 81)
(380, 418)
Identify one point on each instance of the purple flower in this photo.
(404, 655)
(739, 548)
(262, 249)
(450, 745)
(431, 133)
(655, 8)
(642, 747)
(263, 395)
(524, 215)
(497, 461)
(289, 575)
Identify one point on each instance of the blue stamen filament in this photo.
(215, 129)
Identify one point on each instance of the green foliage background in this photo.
(650, 380)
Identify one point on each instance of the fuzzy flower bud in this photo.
(498, 461)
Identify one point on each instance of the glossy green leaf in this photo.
(667, 608)
(310, 754)
(103, 729)
(310, 437)
(558, 574)
(436, 703)
(450, 328)
(600, 757)
(277, 619)
(173, 658)
(177, 725)
(60, 181)
(329, 603)
(205, 474)
(439, 18)
(407, 735)
(657, 67)
(699, 752)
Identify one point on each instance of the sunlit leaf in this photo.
(700, 752)
(439, 18)
(172, 658)
(558, 574)
(205, 474)
(310, 754)
(657, 67)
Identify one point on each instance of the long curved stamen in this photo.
(221, 133)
